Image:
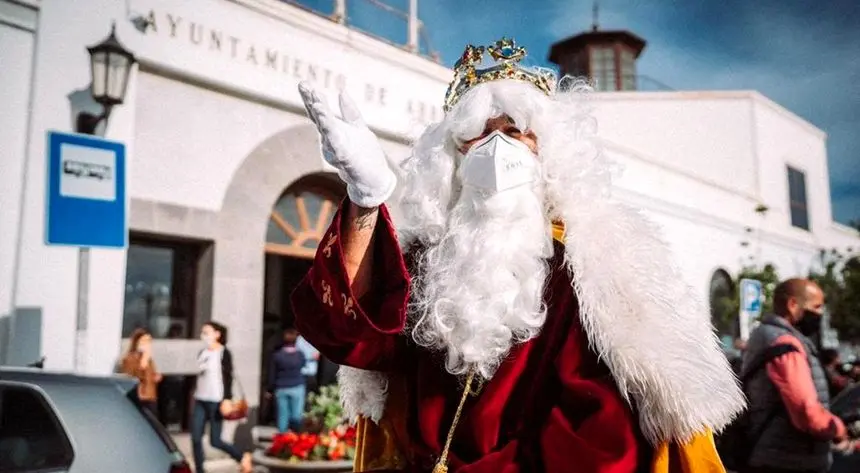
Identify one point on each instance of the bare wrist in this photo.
(363, 218)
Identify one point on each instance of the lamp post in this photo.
(110, 67)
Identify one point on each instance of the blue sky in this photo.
(803, 54)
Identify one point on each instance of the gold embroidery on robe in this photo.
(327, 249)
(348, 305)
(326, 295)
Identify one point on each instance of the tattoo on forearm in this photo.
(365, 218)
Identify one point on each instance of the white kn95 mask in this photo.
(498, 163)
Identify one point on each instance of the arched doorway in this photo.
(721, 296)
(297, 223)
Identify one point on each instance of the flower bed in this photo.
(329, 439)
(335, 444)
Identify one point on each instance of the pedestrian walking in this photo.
(137, 362)
(213, 396)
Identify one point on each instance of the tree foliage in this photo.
(725, 309)
(839, 278)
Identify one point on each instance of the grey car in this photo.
(55, 422)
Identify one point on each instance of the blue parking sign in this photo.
(751, 296)
(86, 198)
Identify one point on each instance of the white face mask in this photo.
(207, 339)
(498, 163)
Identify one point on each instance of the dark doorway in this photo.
(283, 274)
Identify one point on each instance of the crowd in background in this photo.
(790, 381)
(787, 376)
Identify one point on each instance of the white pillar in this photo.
(412, 41)
(339, 11)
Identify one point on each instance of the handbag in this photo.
(240, 405)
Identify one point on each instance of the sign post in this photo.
(85, 208)
(751, 298)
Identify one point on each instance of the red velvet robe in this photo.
(552, 406)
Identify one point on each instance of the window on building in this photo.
(299, 220)
(31, 437)
(603, 68)
(576, 64)
(162, 283)
(628, 70)
(797, 198)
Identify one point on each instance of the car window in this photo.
(31, 437)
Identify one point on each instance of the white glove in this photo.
(350, 146)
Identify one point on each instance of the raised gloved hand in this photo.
(350, 146)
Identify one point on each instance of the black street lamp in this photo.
(110, 67)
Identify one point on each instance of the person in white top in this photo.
(312, 356)
(212, 396)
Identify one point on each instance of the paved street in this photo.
(222, 466)
(216, 460)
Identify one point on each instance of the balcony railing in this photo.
(378, 19)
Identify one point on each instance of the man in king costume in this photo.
(512, 317)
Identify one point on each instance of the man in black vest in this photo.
(791, 428)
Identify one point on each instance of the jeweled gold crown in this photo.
(506, 56)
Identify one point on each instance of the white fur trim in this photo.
(362, 392)
(647, 325)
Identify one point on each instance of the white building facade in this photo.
(229, 195)
(734, 178)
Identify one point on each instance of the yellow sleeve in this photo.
(699, 455)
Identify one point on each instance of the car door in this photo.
(32, 437)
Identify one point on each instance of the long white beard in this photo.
(479, 290)
(482, 281)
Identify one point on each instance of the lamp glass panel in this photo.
(99, 64)
(118, 66)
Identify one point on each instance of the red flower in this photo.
(338, 453)
(332, 445)
(349, 436)
(300, 452)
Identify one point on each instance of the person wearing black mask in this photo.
(790, 428)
